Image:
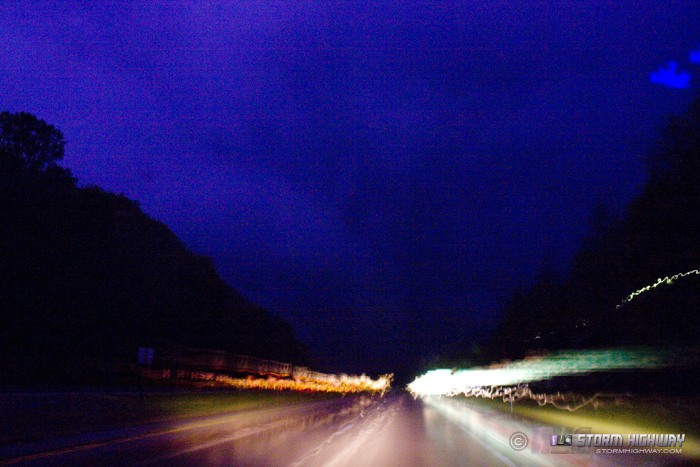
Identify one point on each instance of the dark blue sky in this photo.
(382, 174)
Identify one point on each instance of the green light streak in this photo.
(665, 280)
(567, 363)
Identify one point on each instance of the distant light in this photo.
(671, 76)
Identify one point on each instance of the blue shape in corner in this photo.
(695, 55)
(671, 76)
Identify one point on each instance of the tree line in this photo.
(86, 277)
(658, 236)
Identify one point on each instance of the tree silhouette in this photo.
(29, 144)
(656, 238)
(86, 277)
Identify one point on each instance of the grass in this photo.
(199, 404)
(29, 417)
(621, 415)
(673, 415)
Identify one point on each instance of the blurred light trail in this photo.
(665, 280)
(527, 441)
(246, 372)
(306, 381)
(340, 384)
(488, 381)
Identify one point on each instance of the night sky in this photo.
(382, 174)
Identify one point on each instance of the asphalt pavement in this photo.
(394, 430)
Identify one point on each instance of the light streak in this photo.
(310, 382)
(224, 368)
(451, 382)
(665, 280)
(507, 379)
(569, 401)
(344, 385)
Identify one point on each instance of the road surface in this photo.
(395, 430)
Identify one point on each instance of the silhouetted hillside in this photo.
(657, 238)
(86, 277)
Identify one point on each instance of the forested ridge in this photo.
(86, 277)
(657, 237)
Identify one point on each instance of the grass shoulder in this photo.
(33, 416)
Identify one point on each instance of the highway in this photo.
(395, 430)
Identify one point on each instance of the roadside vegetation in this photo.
(615, 414)
(88, 277)
(28, 417)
